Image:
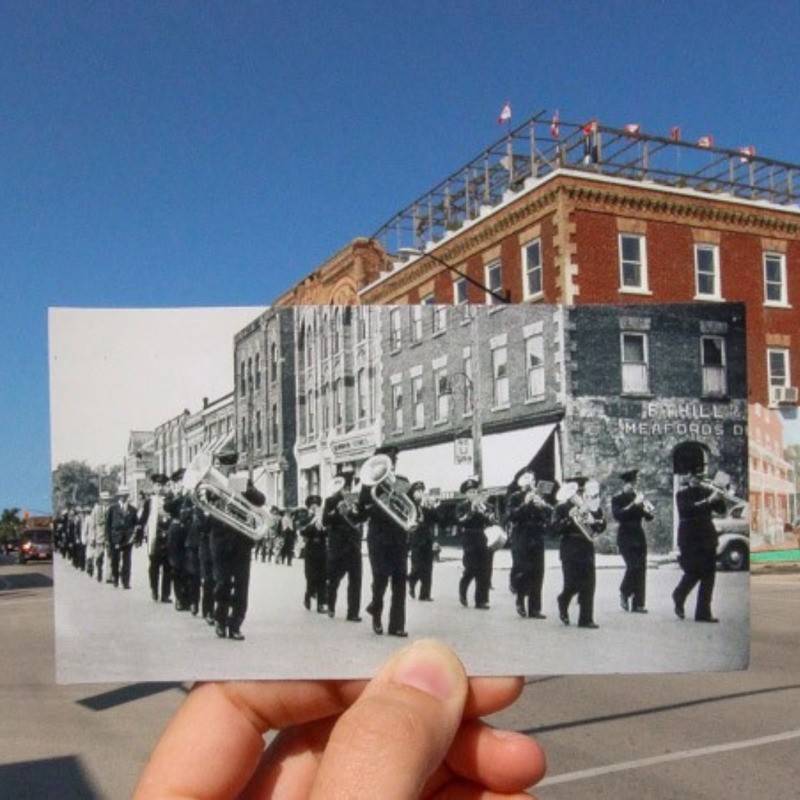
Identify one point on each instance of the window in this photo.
(632, 263)
(442, 392)
(417, 401)
(439, 319)
(494, 282)
(273, 362)
(311, 411)
(706, 261)
(275, 424)
(258, 370)
(259, 440)
(243, 377)
(712, 354)
(363, 394)
(338, 403)
(534, 366)
(459, 291)
(532, 270)
(416, 324)
(775, 279)
(500, 393)
(635, 369)
(397, 406)
(778, 367)
(395, 329)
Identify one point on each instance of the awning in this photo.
(504, 454)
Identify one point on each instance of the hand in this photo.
(411, 732)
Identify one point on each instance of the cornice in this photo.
(683, 209)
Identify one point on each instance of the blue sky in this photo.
(183, 153)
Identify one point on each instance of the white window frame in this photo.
(397, 406)
(715, 376)
(782, 299)
(635, 375)
(640, 264)
(416, 324)
(532, 266)
(395, 330)
(501, 394)
(418, 401)
(493, 279)
(716, 292)
(535, 380)
(441, 396)
(460, 291)
(775, 379)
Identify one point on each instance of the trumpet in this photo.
(581, 508)
(646, 505)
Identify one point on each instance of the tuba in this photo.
(580, 509)
(386, 491)
(213, 493)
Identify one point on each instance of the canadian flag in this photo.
(554, 129)
(675, 133)
(633, 128)
(747, 153)
(505, 114)
(705, 141)
(589, 128)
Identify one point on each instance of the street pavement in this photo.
(701, 735)
(107, 634)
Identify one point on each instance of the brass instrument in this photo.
(646, 505)
(388, 492)
(214, 494)
(581, 506)
(720, 483)
(347, 506)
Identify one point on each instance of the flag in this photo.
(590, 128)
(675, 133)
(633, 128)
(554, 130)
(505, 114)
(747, 153)
(705, 141)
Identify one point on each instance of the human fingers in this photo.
(397, 733)
(214, 743)
(500, 760)
(487, 695)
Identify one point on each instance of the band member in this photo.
(231, 552)
(578, 518)
(120, 531)
(159, 571)
(287, 539)
(180, 511)
(697, 503)
(629, 508)
(473, 517)
(98, 533)
(195, 523)
(530, 516)
(312, 531)
(207, 584)
(422, 539)
(341, 520)
(387, 546)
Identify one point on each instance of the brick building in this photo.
(266, 429)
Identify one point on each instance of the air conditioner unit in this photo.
(784, 395)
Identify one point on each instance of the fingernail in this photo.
(429, 667)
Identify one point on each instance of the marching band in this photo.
(202, 529)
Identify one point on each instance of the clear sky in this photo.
(212, 153)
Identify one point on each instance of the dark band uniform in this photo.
(421, 546)
(343, 555)
(697, 546)
(632, 543)
(577, 562)
(477, 558)
(314, 557)
(120, 530)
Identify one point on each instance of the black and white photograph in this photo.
(297, 491)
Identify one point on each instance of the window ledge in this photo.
(775, 304)
(635, 290)
(709, 298)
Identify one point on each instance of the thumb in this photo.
(389, 742)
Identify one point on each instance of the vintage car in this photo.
(733, 546)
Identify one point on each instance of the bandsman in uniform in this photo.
(309, 522)
(698, 501)
(630, 509)
(529, 516)
(422, 541)
(341, 520)
(473, 517)
(578, 519)
(387, 546)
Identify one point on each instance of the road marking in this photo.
(623, 766)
